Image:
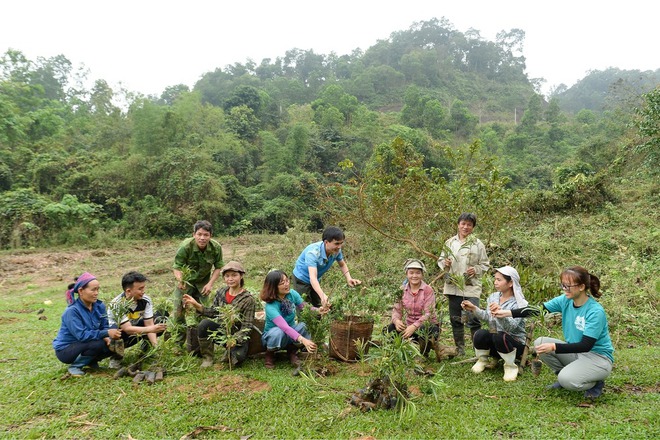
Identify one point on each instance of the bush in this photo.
(580, 192)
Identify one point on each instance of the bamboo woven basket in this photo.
(345, 333)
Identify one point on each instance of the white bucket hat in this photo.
(413, 263)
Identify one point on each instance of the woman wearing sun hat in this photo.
(232, 293)
(85, 334)
(507, 338)
(416, 308)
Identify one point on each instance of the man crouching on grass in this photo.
(138, 323)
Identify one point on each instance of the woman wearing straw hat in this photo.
(506, 337)
(416, 308)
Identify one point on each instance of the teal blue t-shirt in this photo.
(314, 256)
(285, 308)
(588, 320)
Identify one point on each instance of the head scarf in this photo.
(517, 290)
(81, 282)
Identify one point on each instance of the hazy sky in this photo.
(149, 45)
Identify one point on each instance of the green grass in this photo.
(256, 402)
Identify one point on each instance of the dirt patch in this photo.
(6, 320)
(359, 369)
(33, 271)
(235, 383)
(320, 369)
(414, 390)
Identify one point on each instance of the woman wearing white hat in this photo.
(507, 340)
(417, 304)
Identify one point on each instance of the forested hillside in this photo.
(251, 146)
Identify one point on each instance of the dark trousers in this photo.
(497, 342)
(206, 328)
(130, 340)
(429, 331)
(455, 310)
(306, 291)
(97, 349)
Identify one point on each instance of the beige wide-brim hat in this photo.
(413, 263)
(234, 266)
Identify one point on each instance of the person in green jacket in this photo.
(196, 268)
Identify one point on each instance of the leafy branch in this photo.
(389, 389)
(187, 274)
(119, 308)
(229, 317)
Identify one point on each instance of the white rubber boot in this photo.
(482, 360)
(510, 367)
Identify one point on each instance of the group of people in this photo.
(582, 362)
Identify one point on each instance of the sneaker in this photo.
(115, 364)
(76, 371)
(554, 386)
(596, 391)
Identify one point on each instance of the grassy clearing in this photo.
(256, 402)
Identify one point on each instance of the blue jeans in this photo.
(276, 339)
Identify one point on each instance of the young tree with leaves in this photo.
(229, 320)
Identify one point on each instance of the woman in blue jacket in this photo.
(84, 336)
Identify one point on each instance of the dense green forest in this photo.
(253, 146)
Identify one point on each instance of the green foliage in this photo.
(120, 308)
(154, 218)
(21, 217)
(318, 325)
(300, 115)
(648, 126)
(397, 194)
(229, 317)
(579, 192)
(242, 121)
(70, 213)
(187, 274)
(362, 302)
(393, 364)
